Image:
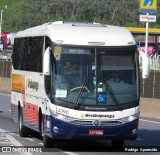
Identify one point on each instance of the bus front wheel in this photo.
(23, 131)
(117, 144)
(47, 142)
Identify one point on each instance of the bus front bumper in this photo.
(64, 130)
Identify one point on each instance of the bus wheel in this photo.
(47, 142)
(23, 131)
(117, 144)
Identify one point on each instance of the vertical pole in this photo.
(146, 42)
(1, 24)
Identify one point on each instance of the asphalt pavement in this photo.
(148, 138)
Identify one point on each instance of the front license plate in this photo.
(96, 132)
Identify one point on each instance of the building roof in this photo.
(142, 31)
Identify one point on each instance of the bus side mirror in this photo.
(46, 61)
(145, 65)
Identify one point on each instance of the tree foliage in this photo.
(115, 12)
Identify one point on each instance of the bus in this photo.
(62, 87)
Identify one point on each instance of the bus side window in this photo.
(48, 85)
(47, 78)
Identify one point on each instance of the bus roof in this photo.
(82, 34)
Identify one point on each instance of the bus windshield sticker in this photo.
(101, 98)
(57, 52)
(61, 92)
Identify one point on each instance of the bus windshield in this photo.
(95, 77)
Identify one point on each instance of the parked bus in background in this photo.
(6, 45)
(62, 87)
(9, 45)
(152, 46)
(2, 46)
(5, 36)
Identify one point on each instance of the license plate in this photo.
(96, 132)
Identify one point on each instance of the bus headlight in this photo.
(130, 118)
(62, 117)
(67, 118)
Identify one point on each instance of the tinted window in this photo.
(28, 53)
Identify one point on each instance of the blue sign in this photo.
(148, 1)
(101, 98)
(148, 6)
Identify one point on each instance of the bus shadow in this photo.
(146, 138)
(84, 146)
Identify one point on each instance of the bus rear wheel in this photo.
(23, 131)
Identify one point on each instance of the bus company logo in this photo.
(96, 108)
(82, 116)
(99, 115)
(33, 84)
(96, 123)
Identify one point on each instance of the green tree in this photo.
(22, 14)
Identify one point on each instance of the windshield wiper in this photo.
(109, 88)
(81, 91)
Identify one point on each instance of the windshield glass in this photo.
(95, 77)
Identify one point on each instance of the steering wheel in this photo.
(79, 87)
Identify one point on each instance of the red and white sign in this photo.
(147, 18)
(96, 132)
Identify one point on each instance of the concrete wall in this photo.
(150, 90)
(150, 108)
(5, 85)
(5, 69)
(5, 77)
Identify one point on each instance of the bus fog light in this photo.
(48, 124)
(134, 131)
(55, 129)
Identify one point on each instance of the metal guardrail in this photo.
(154, 61)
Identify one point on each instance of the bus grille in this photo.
(90, 123)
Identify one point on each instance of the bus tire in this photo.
(23, 131)
(117, 144)
(47, 142)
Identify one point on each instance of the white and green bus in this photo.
(63, 85)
